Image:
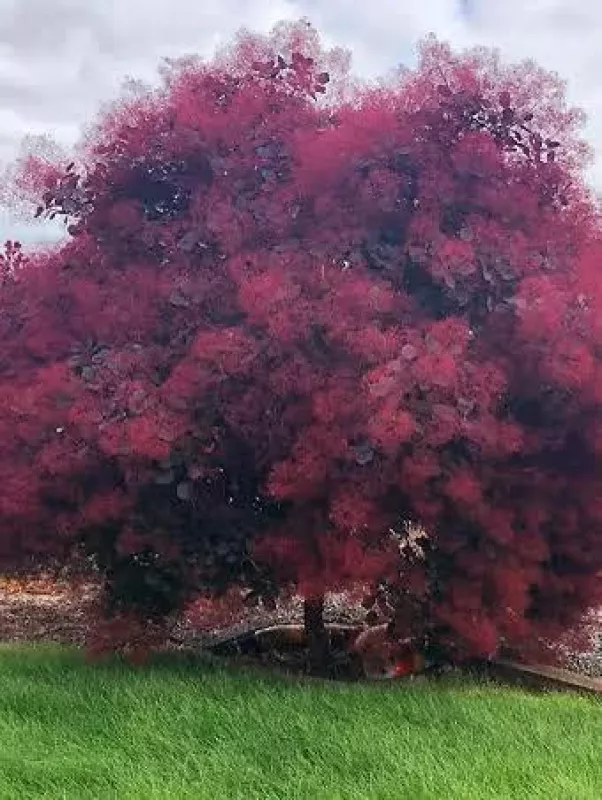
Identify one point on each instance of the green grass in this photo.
(180, 729)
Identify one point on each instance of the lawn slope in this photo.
(179, 729)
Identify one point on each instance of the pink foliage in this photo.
(283, 326)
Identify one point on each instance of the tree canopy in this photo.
(297, 313)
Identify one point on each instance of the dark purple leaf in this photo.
(364, 454)
(184, 491)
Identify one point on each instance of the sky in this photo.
(61, 60)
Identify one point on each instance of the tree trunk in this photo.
(317, 636)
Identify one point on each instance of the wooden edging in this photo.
(542, 677)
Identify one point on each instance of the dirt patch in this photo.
(42, 610)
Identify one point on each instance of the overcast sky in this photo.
(60, 60)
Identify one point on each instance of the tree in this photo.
(286, 326)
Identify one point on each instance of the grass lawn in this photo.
(179, 729)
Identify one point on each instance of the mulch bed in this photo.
(44, 611)
(47, 611)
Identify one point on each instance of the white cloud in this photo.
(59, 61)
